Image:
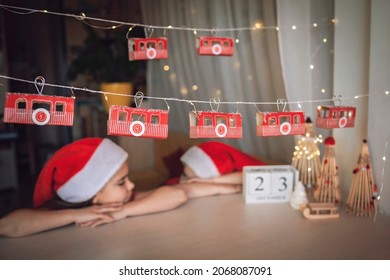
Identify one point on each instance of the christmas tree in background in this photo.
(327, 187)
(306, 157)
(361, 200)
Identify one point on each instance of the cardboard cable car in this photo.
(38, 109)
(147, 48)
(335, 116)
(215, 46)
(137, 122)
(215, 125)
(280, 123)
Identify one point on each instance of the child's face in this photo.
(118, 189)
(187, 174)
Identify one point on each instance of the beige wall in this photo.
(379, 104)
(362, 66)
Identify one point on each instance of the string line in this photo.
(116, 23)
(71, 88)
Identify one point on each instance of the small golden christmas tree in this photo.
(361, 200)
(306, 157)
(327, 188)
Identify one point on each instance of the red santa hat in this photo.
(78, 171)
(211, 159)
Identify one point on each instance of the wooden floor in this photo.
(221, 227)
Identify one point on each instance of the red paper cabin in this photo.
(147, 48)
(215, 125)
(215, 45)
(335, 117)
(280, 123)
(38, 109)
(137, 122)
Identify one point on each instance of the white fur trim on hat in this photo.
(103, 164)
(200, 163)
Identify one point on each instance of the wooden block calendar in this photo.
(268, 184)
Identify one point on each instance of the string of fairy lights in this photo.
(114, 24)
(40, 82)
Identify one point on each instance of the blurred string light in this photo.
(172, 77)
(114, 24)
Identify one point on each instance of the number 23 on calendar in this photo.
(272, 183)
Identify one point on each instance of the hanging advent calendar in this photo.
(137, 122)
(215, 46)
(335, 117)
(147, 48)
(280, 123)
(271, 183)
(215, 125)
(38, 109)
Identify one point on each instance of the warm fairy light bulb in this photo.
(315, 24)
(237, 41)
(293, 27)
(311, 66)
(218, 92)
(357, 96)
(323, 90)
(309, 169)
(277, 28)
(333, 20)
(183, 90)
(45, 11)
(300, 106)
(194, 87)
(169, 26)
(195, 32)
(324, 40)
(257, 25)
(166, 67)
(387, 92)
(384, 158)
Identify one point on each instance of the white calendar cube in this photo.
(259, 183)
(271, 183)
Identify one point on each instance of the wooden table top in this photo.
(221, 227)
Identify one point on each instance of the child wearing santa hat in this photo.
(86, 183)
(213, 167)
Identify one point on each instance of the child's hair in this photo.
(57, 203)
(77, 172)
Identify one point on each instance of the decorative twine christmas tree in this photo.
(327, 188)
(361, 200)
(306, 157)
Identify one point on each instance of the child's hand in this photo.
(97, 214)
(229, 189)
(196, 180)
